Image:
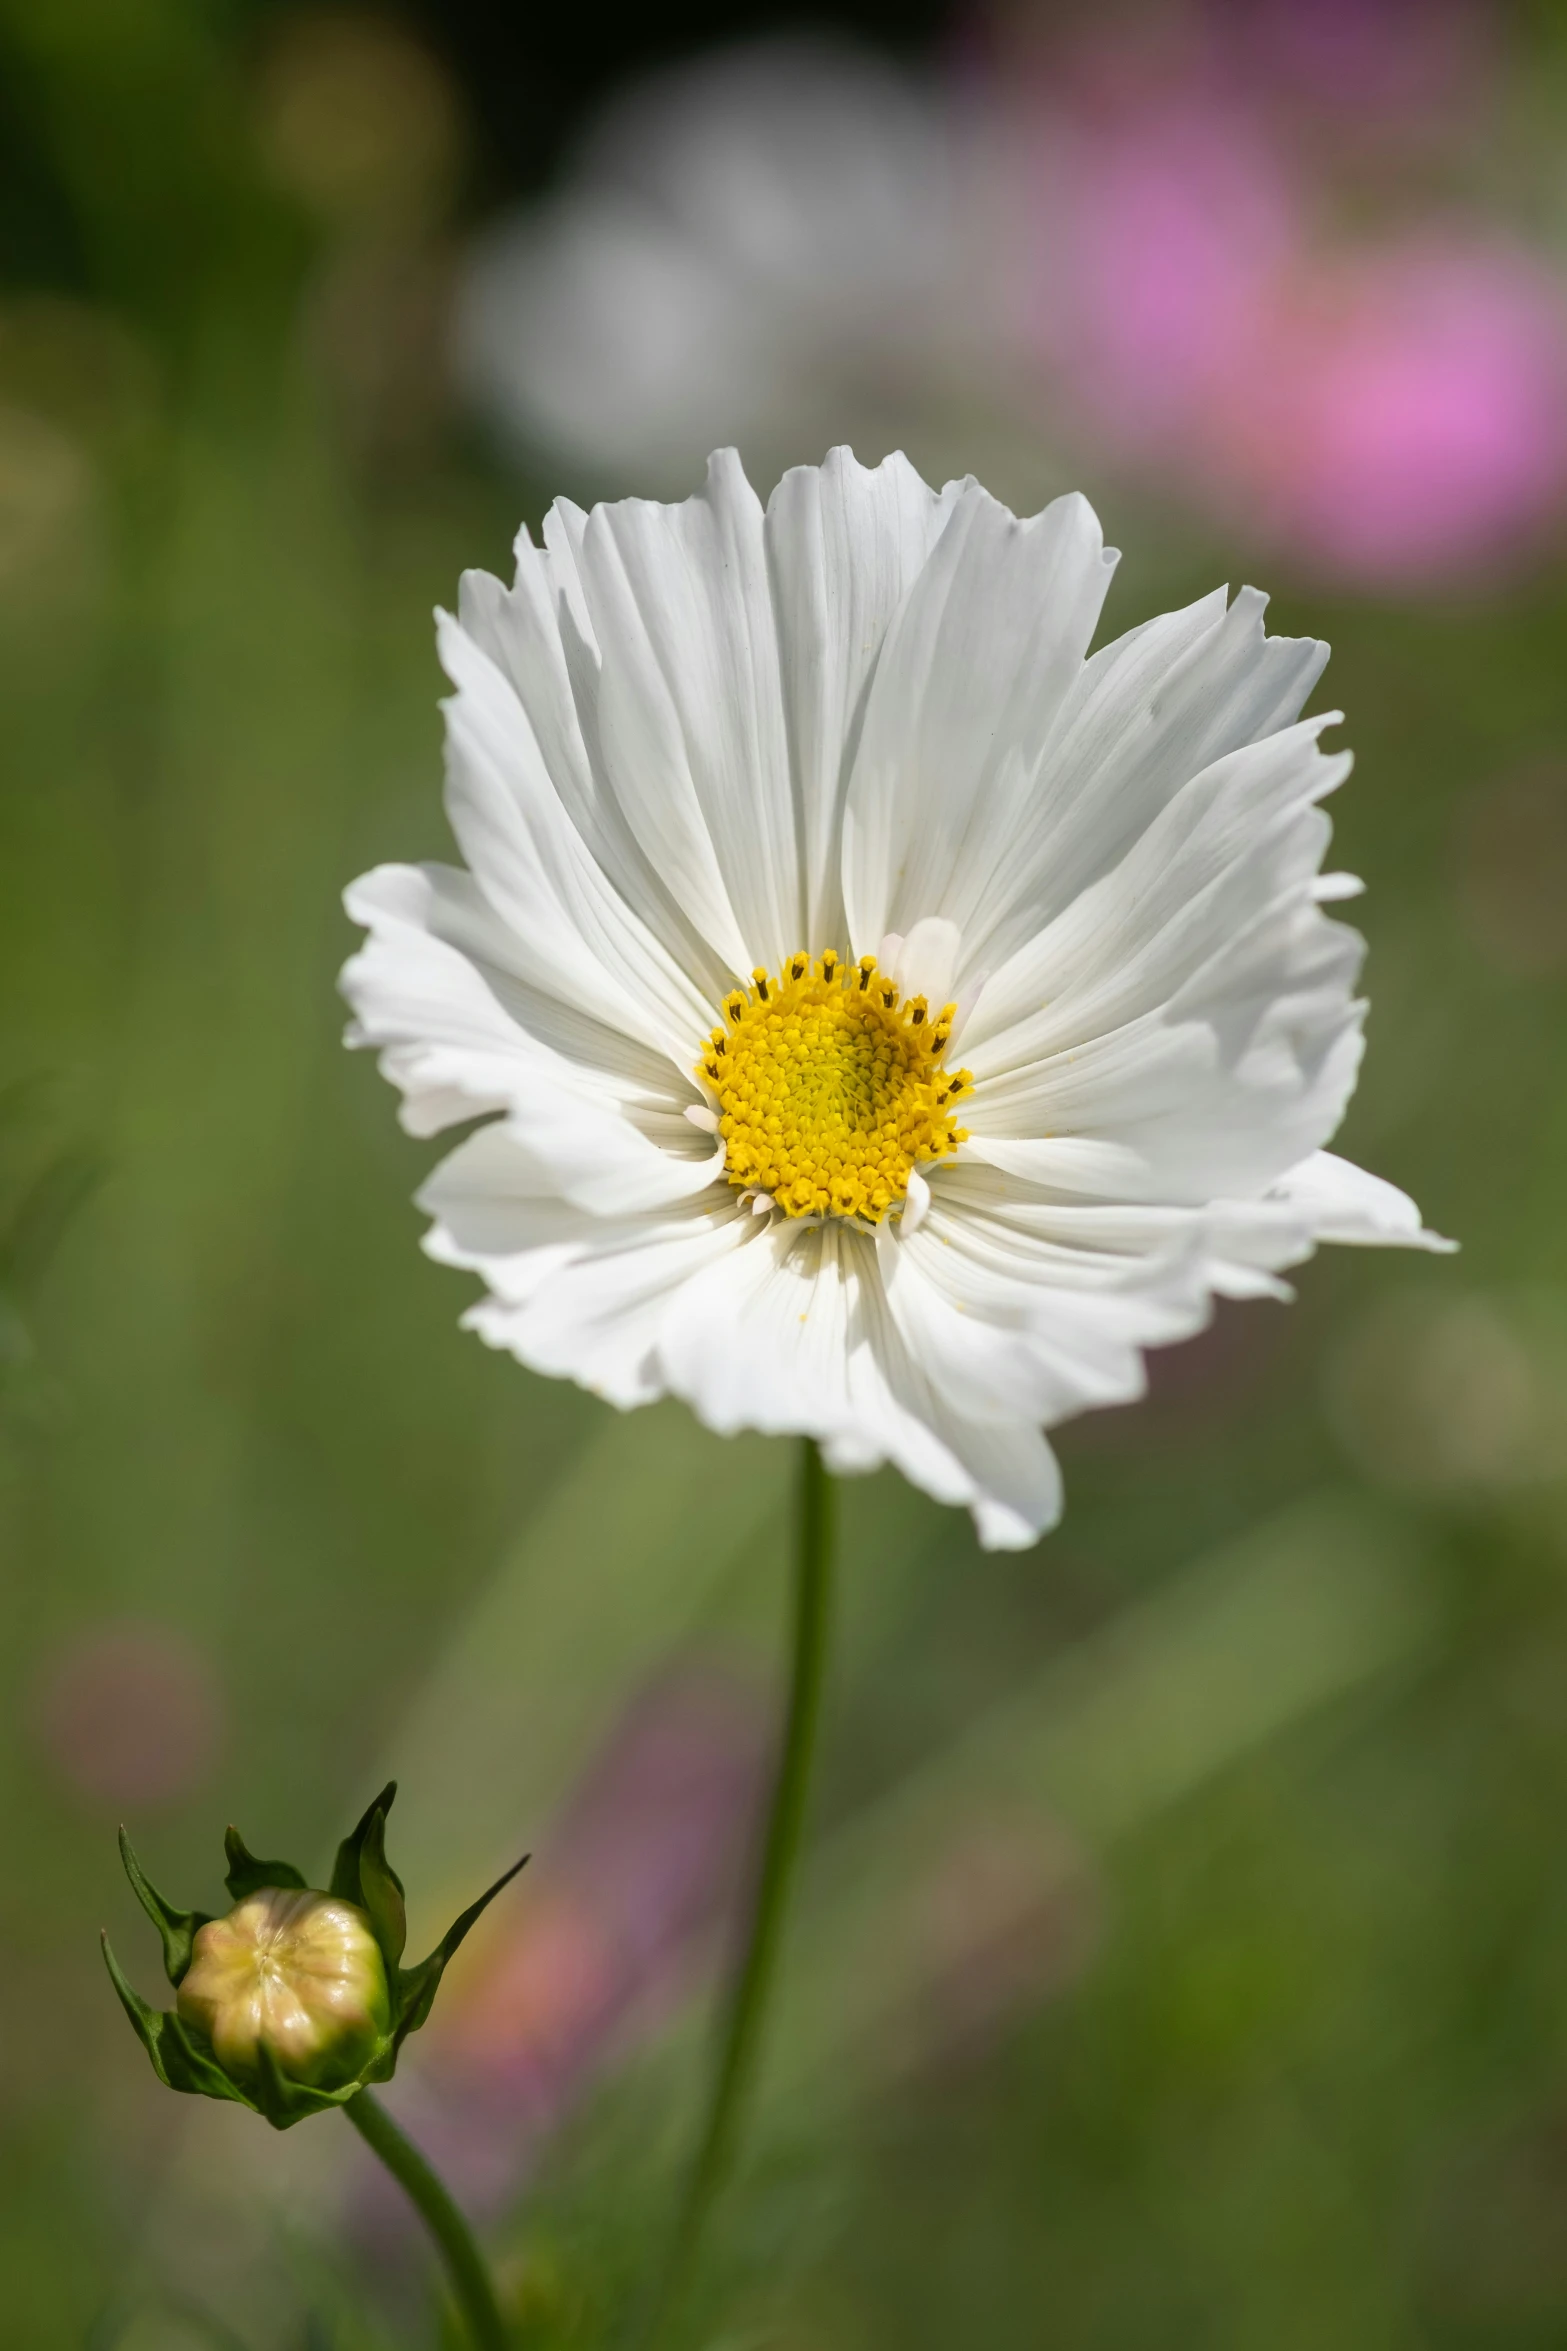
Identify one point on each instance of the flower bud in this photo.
(295, 1973)
(296, 1999)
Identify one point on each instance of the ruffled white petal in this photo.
(538, 634)
(575, 937)
(972, 677)
(695, 678)
(1193, 1010)
(1003, 1470)
(690, 711)
(601, 1115)
(844, 545)
(573, 1296)
(1143, 716)
(793, 1334)
(1344, 1203)
(1231, 1248)
(1012, 1324)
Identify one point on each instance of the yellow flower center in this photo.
(830, 1089)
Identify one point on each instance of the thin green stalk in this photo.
(741, 2041)
(470, 2279)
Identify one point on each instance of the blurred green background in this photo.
(1183, 1957)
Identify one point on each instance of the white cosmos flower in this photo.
(704, 763)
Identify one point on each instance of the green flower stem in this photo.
(742, 2034)
(465, 2266)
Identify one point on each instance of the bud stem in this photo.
(742, 2034)
(465, 2266)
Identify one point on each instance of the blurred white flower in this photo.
(769, 247)
(1105, 250)
(891, 1019)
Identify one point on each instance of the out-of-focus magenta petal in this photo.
(1159, 229)
(1392, 412)
(1402, 415)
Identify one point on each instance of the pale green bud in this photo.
(296, 1999)
(296, 1973)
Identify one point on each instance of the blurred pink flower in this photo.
(1161, 223)
(1393, 412)
(130, 1717)
(1401, 415)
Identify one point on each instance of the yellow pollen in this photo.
(830, 1091)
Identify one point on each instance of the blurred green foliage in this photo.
(1277, 2051)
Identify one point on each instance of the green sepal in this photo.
(414, 1988)
(248, 1875)
(363, 1875)
(176, 1928)
(179, 2058)
(283, 2103)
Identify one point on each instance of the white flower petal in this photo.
(1230, 1248)
(1143, 715)
(456, 1026)
(916, 1206)
(495, 1211)
(1238, 837)
(690, 712)
(927, 960)
(1344, 1203)
(538, 634)
(435, 941)
(1004, 1471)
(761, 1342)
(1016, 1481)
(1188, 1110)
(1143, 1271)
(973, 673)
(1193, 1006)
(1007, 1348)
(574, 936)
(792, 1335)
(606, 1126)
(844, 544)
(572, 1297)
(443, 1037)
